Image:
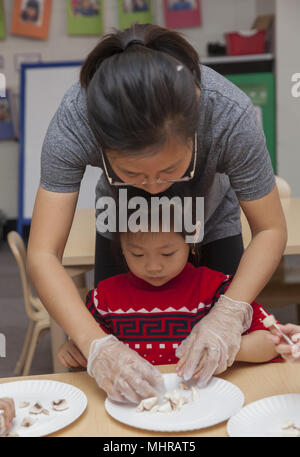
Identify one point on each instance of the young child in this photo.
(154, 306)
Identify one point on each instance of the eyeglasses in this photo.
(157, 181)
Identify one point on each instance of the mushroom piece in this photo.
(176, 399)
(165, 408)
(37, 408)
(290, 429)
(28, 421)
(24, 404)
(183, 386)
(195, 394)
(45, 411)
(147, 404)
(60, 405)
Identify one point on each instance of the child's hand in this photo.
(7, 406)
(288, 352)
(70, 356)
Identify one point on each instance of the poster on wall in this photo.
(31, 18)
(84, 17)
(2, 21)
(135, 11)
(182, 13)
(8, 120)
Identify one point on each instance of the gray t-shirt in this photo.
(232, 164)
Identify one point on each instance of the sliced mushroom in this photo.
(28, 421)
(165, 408)
(45, 411)
(24, 404)
(195, 394)
(60, 405)
(286, 424)
(154, 409)
(176, 399)
(147, 404)
(37, 408)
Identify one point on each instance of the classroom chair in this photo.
(39, 320)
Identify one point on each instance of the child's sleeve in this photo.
(257, 318)
(97, 306)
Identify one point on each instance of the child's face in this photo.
(155, 257)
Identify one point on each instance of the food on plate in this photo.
(269, 321)
(28, 421)
(195, 394)
(290, 429)
(24, 404)
(175, 401)
(60, 405)
(37, 408)
(147, 404)
(45, 411)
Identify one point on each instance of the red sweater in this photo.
(153, 320)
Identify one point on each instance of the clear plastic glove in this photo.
(123, 373)
(7, 413)
(289, 353)
(214, 342)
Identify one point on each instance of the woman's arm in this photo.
(256, 347)
(50, 227)
(262, 256)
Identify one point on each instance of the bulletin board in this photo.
(43, 86)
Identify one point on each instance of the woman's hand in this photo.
(288, 352)
(123, 373)
(214, 342)
(70, 356)
(7, 413)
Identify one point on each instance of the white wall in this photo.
(219, 16)
(288, 107)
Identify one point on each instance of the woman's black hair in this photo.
(139, 96)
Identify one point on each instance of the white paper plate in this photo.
(44, 391)
(264, 417)
(217, 402)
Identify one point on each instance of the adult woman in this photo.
(156, 121)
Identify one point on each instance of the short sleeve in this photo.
(69, 145)
(245, 159)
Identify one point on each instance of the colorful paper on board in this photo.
(182, 13)
(135, 11)
(2, 21)
(8, 129)
(31, 18)
(84, 17)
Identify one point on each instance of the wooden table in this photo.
(256, 381)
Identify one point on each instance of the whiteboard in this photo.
(43, 86)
